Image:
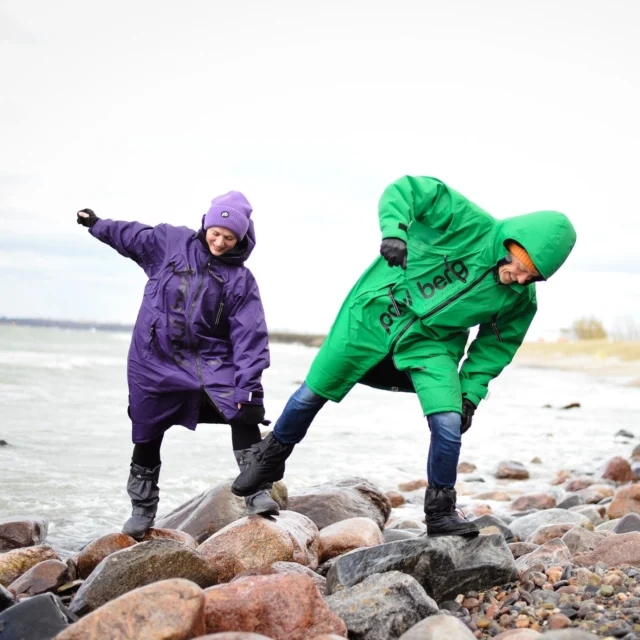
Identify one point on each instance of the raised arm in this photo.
(143, 244)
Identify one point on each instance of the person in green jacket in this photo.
(446, 265)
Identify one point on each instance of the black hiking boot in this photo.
(260, 503)
(441, 516)
(144, 492)
(262, 466)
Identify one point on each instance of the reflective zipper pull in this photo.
(220, 308)
(494, 326)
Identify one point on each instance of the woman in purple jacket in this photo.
(200, 343)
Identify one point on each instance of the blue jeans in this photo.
(298, 415)
(444, 451)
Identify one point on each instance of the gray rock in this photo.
(4, 443)
(580, 540)
(635, 467)
(382, 607)
(572, 500)
(212, 510)
(568, 634)
(628, 523)
(351, 498)
(137, 566)
(444, 566)
(38, 618)
(624, 433)
(439, 627)
(525, 526)
(22, 532)
(489, 520)
(391, 535)
(608, 525)
(592, 511)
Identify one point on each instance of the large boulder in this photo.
(580, 540)
(38, 618)
(22, 532)
(286, 568)
(439, 627)
(347, 535)
(619, 470)
(383, 606)
(41, 578)
(444, 566)
(165, 610)
(328, 503)
(137, 566)
(213, 509)
(626, 500)
(18, 561)
(254, 542)
(281, 607)
(523, 527)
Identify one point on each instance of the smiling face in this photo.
(515, 271)
(220, 240)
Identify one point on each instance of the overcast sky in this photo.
(146, 110)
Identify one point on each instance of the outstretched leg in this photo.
(266, 462)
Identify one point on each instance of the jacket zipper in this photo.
(221, 305)
(494, 326)
(393, 302)
(191, 308)
(441, 306)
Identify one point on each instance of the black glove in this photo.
(253, 414)
(87, 222)
(394, 252)
(468, 409)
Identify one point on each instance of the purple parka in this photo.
(200, 328)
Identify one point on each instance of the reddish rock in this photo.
(558, 621)
(615, 550)
(282, 607)
(97, 550)
(286, 568)
(480, 510)
(579, 540)
(561, 476)
(328, 636)
(348, 535)
(43, 577)
(511, 470)
(405, 523)
(626, 500)
(499, 496)
(619, 470)
(166, 610)
(533, 501)
(18, 561)
(596, 492)
(241, 635)
(16, 533)
(521, 548)
(254, 542)
(549, 532)
(576, 484)
(466, 467)
(170, 534)
(396, 499)
(412, 485)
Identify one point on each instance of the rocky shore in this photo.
(347, 560)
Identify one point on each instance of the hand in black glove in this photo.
(468, 409)
(253, 414)
(87, 218)
(394, 252)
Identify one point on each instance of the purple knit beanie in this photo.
(232, 211)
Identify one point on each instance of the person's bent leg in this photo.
(143, 488)
(243, 437)
(441, 515)
(267, 461)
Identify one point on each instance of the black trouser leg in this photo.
(147, 454)
(243, 435)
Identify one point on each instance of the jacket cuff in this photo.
(395, 230)
(473, 391)
(244, 396)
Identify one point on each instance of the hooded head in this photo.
(231, 211)
(547, 237)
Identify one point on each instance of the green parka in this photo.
(406, 330)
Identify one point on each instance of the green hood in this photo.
(547, 236)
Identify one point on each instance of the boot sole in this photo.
(463, 534)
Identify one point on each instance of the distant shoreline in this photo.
(306, 339)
